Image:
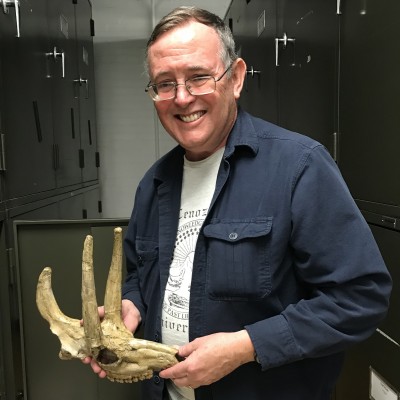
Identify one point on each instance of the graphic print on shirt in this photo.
(177, 292)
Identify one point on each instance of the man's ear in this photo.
(238, 76)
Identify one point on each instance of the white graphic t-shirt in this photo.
(198, 187)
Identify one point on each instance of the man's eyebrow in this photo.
(194, 68)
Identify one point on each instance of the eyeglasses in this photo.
(197, 86)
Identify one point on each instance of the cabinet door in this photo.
(87, 114)
(63, 72)
(369, 100)
(381, 351)
(254, 25)
(26, 101)
(92, 203)
(307, 38)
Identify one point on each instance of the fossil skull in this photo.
(109, 342)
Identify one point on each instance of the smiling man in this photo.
(245, 247)
(180, 60)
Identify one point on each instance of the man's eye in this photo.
(199, 80)
(164, 86)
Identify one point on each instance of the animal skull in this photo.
(109, 342)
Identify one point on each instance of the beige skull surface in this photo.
(109, 342)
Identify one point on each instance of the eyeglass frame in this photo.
(176, 84)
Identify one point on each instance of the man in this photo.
(244, 246)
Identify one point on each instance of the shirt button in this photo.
(156, 379)
(156, 337)
(233, 236)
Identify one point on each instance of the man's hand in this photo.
(131, 317)
(210, 358)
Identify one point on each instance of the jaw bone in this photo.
(109, 342)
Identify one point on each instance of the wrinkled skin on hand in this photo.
(108, 342)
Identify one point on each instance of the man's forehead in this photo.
(186, 32)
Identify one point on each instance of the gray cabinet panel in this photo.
(369, 100)
(291, 51)
(254, 28)
(62, 40)
(26, 107)
(307, 71)
(87, 115)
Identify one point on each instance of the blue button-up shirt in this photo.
(283, 253)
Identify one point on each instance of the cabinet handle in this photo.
(283, 40)
(82, 81)
(58, 54)
(335, 146)
(2, 153)
(15, 4)
(253, 72)
(338, 8)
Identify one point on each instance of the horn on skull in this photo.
(90, 314)
(112, 299)
(47, 303)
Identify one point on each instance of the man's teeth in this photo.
(191, 117)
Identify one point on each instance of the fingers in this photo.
(179, 376)
(95, 367)
(130, 315)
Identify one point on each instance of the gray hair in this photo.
(181, 15)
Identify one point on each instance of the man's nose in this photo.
(182, 93)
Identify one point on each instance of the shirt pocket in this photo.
(147, 267)
(238, 259)
(147, 253)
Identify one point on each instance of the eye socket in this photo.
(106, 356)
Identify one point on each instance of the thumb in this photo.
(187, 349)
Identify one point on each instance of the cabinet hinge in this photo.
(84, 213)
(99, 206)
(2, 152)
(97, 159)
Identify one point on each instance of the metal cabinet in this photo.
(47, 98)
(26, 103)
(253, 25)
(369, 100)
(48, 148)
(63, 74)
(306, 60)
(291, 51)
(380, 354)
(89, 158)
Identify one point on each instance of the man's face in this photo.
(200, 124)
